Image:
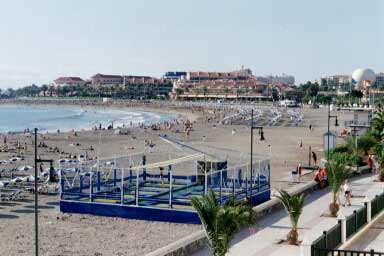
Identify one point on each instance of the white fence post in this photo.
(343, 222)
(368, 204)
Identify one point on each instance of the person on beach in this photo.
(314, 157)
(369, 162)
(347, 192)
(299, 170)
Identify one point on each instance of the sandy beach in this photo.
(286, 143)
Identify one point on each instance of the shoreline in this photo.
(180, 113)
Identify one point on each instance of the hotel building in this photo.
(69, 80)
(239, 84)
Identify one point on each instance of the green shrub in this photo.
(347, 158)
(378, 150)
(366, 142)
(339, 149)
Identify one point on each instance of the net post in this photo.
(122, 187)
(114, 177)
(259, 176)
(98, 180)
(81, 183)
(221, 185)
(90, 186)
(137, 187)
(170, 188)
(233, 181)
(246, 182)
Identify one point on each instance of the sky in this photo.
(43, 39)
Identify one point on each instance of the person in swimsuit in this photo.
(347, 192)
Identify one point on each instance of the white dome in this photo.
(361, 76)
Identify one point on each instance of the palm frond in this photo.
(221, 222)
(293, 204)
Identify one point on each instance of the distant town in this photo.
(239, 84)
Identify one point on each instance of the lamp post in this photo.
(36, 195)
(261, 132)
(336, 124)
(354, 130)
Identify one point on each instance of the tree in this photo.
(377, 126)
(44, 88)
(178, 92)
(221, 222)
(365, 143)
(337, 172)
(51, 90)
(357, 94)
(205, 91)
(293, 205)
(309, 90)
(226, 91)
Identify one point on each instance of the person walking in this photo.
(347, 192)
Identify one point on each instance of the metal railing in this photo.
(377, 204)
(325, 245)
(333, 236)
(356, 221)
(334, 252)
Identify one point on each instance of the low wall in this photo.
(183, 247)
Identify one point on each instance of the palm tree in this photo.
(51, 89)
(337, 173)
(205, 91)
(226, 91)
(378, 126)
(222, 222)
(44, 88)
(293, 204)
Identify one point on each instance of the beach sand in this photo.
(63, 234)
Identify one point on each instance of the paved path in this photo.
(271, 229)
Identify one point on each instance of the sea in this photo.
(17, 118)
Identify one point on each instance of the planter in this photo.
(334, 209)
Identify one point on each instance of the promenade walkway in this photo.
(314, 220)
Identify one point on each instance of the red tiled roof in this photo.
(69, 78)
(106, 76)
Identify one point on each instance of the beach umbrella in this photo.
(29, 178)
(14, 159)
(62, 161)
(73, 161)
(109, 163)
(24, 168)
(17, 180)
(4, 183)
(44, 174)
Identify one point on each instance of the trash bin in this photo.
(293, 175)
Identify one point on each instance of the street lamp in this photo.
(36, 194)
(336, 124)
(261, 133)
